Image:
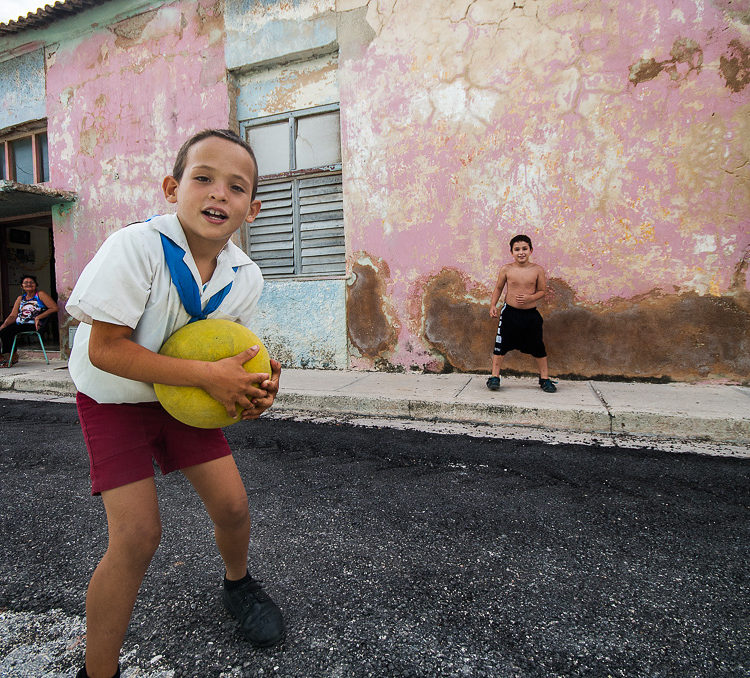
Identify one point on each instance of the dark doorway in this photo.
(27, 248)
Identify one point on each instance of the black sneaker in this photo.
(493, 383)
(260, 618)
(547, 385)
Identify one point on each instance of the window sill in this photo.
(295, 174)
(304, 278)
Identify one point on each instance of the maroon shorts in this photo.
(124, 439)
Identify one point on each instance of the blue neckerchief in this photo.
(186, 286)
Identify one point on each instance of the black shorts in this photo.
(520, 329)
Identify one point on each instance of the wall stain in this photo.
(683, 337)
(739, 11)
(88, 140)
(130, 30)
(644, 69)
(735, 66)
(456, 321)
(371, 329)
(319, 358)
(687, 56)
(739, 277)
(209, 19)
(283, 96)
(655, 336)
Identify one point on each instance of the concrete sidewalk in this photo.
(713, 413)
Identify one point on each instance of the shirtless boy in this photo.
(520, 325)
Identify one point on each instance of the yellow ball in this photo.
(207, 340)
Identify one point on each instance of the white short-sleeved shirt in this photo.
(128, 283)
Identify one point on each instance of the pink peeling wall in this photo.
(120, 102)
(616, 135)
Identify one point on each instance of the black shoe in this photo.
(493, 383)
(547, 385)
(260, 618)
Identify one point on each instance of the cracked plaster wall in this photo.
(287, 87)
(25, 74)
(127, 83)
(283, 56)
(302, 323)
(616, 135)
(270, 32)
(121, 99)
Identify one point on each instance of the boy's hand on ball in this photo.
(231, 385)
(271, 387)
(220, 377)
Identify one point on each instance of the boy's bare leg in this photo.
(542, 364)
(134, 534)
(219, 485)
(497, 363)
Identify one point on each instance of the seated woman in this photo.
(29, 313)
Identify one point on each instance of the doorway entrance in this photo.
(27, 248)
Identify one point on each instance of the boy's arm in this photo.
(501, 280)
(111, 349)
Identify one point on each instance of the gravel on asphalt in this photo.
(394, 553)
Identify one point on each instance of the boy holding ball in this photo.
(145, 282)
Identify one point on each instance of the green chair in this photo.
(20, 334)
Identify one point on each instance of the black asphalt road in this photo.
(399, 553)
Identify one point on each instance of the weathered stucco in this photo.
(263, 32)
(283, 57)
(303, 323)
(120, 103)
(24, 74)
(287, 87)
(372, 326)
(616, 136)
(682, 337)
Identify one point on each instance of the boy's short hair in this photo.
(229, 135)
(520, 238)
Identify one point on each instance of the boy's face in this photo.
(213, 197)
(521, 251)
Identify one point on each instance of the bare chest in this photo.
(522, 279)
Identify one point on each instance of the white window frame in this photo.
(316, 236)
